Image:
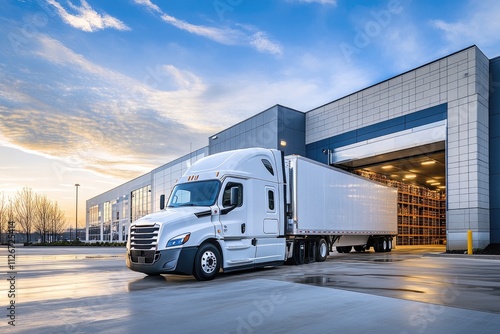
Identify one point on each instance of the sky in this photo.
(99, 92)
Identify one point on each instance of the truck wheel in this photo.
(206, 262)
(321, 251)
(340, 249)
(378, 246)
(347, 249)
(388, 245)
(299, 254)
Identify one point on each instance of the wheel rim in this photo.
(208, 262)
(323, 250)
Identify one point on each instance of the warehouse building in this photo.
(432, 132)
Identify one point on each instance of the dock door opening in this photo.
(419, 174)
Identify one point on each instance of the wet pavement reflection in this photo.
(412, 273)
(74, 280)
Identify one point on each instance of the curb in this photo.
(465, 256)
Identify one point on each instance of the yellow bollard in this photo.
(469, 242)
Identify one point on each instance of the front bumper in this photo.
(167, 261)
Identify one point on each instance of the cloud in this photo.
(246, 35)
(413, 49)
(397, 36)
(259, 40)
(63, 106)
(223, 36)
(151, 6)
(94, 118)
(262, 43)
(479, 25)
(89, 117)
(86, 18)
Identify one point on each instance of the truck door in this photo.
(270, 247)
(238, 239)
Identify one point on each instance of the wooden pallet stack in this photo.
(421, 211)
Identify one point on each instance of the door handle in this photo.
(243, 228)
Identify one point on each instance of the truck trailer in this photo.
(255, 207)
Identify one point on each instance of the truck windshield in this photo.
(202, 193)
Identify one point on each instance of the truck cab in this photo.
(226, 212)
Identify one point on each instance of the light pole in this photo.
(76, 219)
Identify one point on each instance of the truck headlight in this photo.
(178, 240)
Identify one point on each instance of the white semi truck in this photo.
(254, 207)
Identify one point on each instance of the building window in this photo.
(107, 221)
(94, 228)
(140, 203)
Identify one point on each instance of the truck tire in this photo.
(206, 262)
(322, 250)
(299, 254)
(388, 245)
(340, 249)
(378, 245)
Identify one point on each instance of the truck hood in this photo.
(175, 216)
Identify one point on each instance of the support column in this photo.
(467, 150)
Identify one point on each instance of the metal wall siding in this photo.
(494, 147)
(419, 118)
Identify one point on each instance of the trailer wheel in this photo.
(321, 251)
(206, 262)
(388, 244)
(381, 245)
(340, 249)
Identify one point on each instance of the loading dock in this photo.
(419, 175)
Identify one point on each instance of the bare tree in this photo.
(57, 221)
(33, 213)
(24, 210)
(4, 214)
(42, 215)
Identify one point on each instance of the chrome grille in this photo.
(144, 236)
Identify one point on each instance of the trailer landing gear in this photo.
(344, 249)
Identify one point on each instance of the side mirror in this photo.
(235, 195)
(233, 201)
(162, 202)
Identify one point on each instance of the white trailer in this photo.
(253, 207)
(346, 210)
